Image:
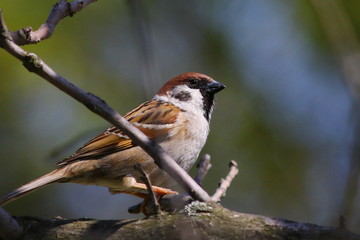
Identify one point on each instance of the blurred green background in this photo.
(287, 116)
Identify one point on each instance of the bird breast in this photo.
(187, 138)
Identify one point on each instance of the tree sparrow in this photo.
(177, 118)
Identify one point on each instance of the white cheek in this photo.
(194, 105)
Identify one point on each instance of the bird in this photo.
(177, 118)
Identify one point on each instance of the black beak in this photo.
(214, 87)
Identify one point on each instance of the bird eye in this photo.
(193, 82)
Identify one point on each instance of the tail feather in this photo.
(51, 177)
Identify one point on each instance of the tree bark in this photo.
(197, 221)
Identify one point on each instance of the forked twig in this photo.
(60, 10)
(225, 183)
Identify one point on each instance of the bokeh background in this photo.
(289, 115)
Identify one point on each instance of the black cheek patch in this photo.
(183, 96)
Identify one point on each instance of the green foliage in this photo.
(98, 50)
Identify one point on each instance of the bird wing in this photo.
(154, 118)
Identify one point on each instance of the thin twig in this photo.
(60, 10)
(153, 202)
(203, 167)
(225, 183)
(9, 227)
(99, 106)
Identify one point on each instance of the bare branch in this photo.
(225, 183)
(60, 10)
(153, 202)
(9, 227)
(99, 106)
(203, 167)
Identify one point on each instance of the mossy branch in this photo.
(198, 221)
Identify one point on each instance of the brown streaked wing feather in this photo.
(112, 140)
